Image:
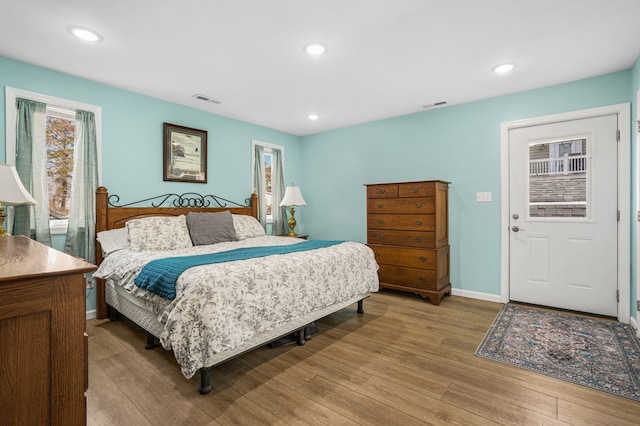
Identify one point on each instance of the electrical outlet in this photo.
(483, 197)
(89, 282)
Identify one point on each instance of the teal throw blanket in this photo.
(159, 276)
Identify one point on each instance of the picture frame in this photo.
(184, 154)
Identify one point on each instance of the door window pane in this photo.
(558, 179)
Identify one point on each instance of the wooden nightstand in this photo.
(304, 237)
(42, 319)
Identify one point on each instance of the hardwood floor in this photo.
(404, 362)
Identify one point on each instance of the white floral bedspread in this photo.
(220, 306)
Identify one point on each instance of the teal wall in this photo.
(459, 144)
(132, 137)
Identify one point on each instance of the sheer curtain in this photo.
(80, 240)
(258, 177)
(31, 161)
(278, 213)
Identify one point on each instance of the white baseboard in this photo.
(476, 295)
(91, 314)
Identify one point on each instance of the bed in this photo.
(208, 296)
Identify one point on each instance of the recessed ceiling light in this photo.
(315, 49)
(85, 34)
(504, 68)
(313, 117)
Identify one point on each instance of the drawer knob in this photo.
(379, 236)
(415, 190)
(422, 279)
(418, 239)
(418, 222)
(380, 191)
(418, 205)
(380, 221)
(422, 258)
(380, 205)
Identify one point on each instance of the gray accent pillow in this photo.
(211, 228)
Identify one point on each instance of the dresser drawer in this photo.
(408, 277)
(407, 222)
(382, 191)
(422, 239)
(25, 297)
(417, 189)
(424, 205)
(410, 257)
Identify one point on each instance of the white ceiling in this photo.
(386, 57)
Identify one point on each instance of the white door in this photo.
(563, 215)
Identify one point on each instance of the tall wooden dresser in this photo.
(43, 357)
(407, 228)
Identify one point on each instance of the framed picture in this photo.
(184, 154)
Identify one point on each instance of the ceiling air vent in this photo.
(206, 99)
(435, 104)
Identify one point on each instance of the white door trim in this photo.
(635, 128)
(624, 195)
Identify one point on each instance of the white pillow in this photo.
(113, 240)
(159, 233)
(247, 226)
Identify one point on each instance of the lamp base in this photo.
(292, 223)
(3, 216)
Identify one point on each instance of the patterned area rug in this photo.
(600, 354)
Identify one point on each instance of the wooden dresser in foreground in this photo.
(407, 228)
(43, 358)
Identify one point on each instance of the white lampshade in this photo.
(293, 197)
(12, 191)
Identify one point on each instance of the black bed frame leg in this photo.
(300, 336)
(152, 341)
(360, 306)
(307, 332)
(205, 381)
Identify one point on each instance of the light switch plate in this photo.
(483, 197)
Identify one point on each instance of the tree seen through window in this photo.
(267, 178)
(60, 144)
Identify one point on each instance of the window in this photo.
(559, 181)
(268, 161)
(60, 128)
(267, 166)
(268, 182)
(60, 119)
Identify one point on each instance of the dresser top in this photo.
(414, 181)
(23, 258)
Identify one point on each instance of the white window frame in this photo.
(57, 226)
(268, 147)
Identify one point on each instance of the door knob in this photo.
(516, 228)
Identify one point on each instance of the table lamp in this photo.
(292, 198)
(12, 193)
